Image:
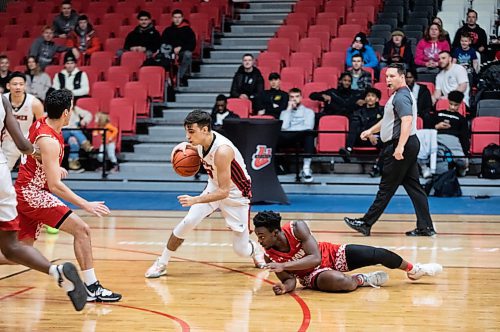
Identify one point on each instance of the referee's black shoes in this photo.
(422, 232)
(358, 225)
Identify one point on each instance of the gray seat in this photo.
(378, 48)
(488, 107)
(418, 20)
(381, 27)
(392, 21)
(414, 34)
(386, 35)
(413, 27)
(376, 40)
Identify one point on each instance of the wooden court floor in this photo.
(209, 288)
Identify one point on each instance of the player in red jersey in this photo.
(292, 252)
(38, 183)
(65, 274)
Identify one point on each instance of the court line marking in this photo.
(24, 290)
(23, 271)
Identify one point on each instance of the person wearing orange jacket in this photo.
(84, 38)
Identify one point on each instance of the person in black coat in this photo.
(340, 101)
(180, 40)
(220, 112)
(144, 38)
(423, 97)
(247, 81)
(272, 101)
(397, 50)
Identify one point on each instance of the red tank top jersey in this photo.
(328, 252)
(31, 170)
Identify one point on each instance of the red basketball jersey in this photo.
(31, 171)
(328, 252)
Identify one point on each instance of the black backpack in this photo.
(444, 185)
(490, 164)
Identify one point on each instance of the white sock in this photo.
(89, 277)
(55, 271)
(165, 256)
(307, 163)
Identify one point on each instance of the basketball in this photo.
(186, 164)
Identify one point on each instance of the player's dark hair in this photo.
(400, 68)
(268, 219)
(413, 73)
(374, 91)
(456, 96)
(17, 74)
(221, 97)
(295, 90)
(247, 54)
(177, 11)
(357, 55)
(57, 102)
(445, 52)
(465, 34)
(201, 118)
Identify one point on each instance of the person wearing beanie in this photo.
(84, 38)
(144, 38)
(397, 50)
(361, 46)
(66, 21)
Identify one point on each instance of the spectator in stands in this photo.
(453, 131)
(144, 38)
(4, 73)
(72, 78)
(428, 48)
(44, 48)
(38, 82)
(361, 46)
(220, 112)
(84, 38)
(298, 121)
(361, 79)
(102, 121)
(478, 35)
(363, 119)
(180, 40)
(422, 95)
(247, 81)
(274, 100)
(66, 21)
(76, 139)
(397, 50)
(452, 77)
(446, 34)
(340, 101)
(465, 55)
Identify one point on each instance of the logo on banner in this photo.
(262, 157)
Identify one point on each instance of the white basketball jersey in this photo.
(240, 180)
(3, 160)
(23, 114)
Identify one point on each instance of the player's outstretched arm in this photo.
(287, 284)
(14, 130)
(223, 158)
(49, 148)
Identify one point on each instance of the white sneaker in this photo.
(420, 270)
(258, 255)
(307, 175)
(373, 279)
(156, 270)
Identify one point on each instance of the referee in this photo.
(399, 154)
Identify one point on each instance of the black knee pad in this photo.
(387, 258)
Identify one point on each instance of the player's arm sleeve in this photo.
(403, 104)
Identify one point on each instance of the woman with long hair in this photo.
(429, 47)
(38, 82)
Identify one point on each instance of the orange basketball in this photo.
(186, 164)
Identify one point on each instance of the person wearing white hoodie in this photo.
(72, 78)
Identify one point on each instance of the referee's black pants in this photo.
(397, 172)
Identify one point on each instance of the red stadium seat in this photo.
(113, 44)
(126, 8)
(304, 60)
(123, 109)
(132, 60)
(280, 45)
(202, 24)
(104, 92)
(291, 32)
(420, 123)
(113, 20)
(349, 30)
(313, 46)
(370, 11)
(138, 93)
(484, 124)
(242, 107)
(323, 33)
(214, 12)
(307, 8)
(119, 76)
(314, 87)
(92, 74)
(16, 8)
(265, 71)
(154, 78)
(15, 57)
(101, 61)
(28, 19)
(444, 104)
(334, 59)
(340, 44)
(334, 7)
(271, 60)
(13, 33)
(312, 104)
(383, 90)
(294, 75)
(429, 85)
(124, 30)
(331, 20)
(23, 45)
(89, 104)
(332, 142)
(301, 23)
(328, 75)
(52, 70)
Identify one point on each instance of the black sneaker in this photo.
(345, 153)
(78, 295)
(421, 232)
(358, 225)
(375, 172)
(97, 293)
(183, 82)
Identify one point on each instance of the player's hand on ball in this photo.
(279, 289)
(186, 200)
(96, 208)
(275, 267)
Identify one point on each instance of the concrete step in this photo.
(135, 169)
(258, 11)
(198, 97)
(272, 5)
(251, 29)
(245, 42)
(177, 116)
(206, 105)
(262, 17)
(267, 34)
(232, 55)
(241, 48)
(209, 85)
(150, 151)
(234, 62)
(173, 133)
(261, 22)
(217, 71)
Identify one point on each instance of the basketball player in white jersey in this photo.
(228, 189)
(26, 108)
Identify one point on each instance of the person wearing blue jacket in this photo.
(361, 46)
